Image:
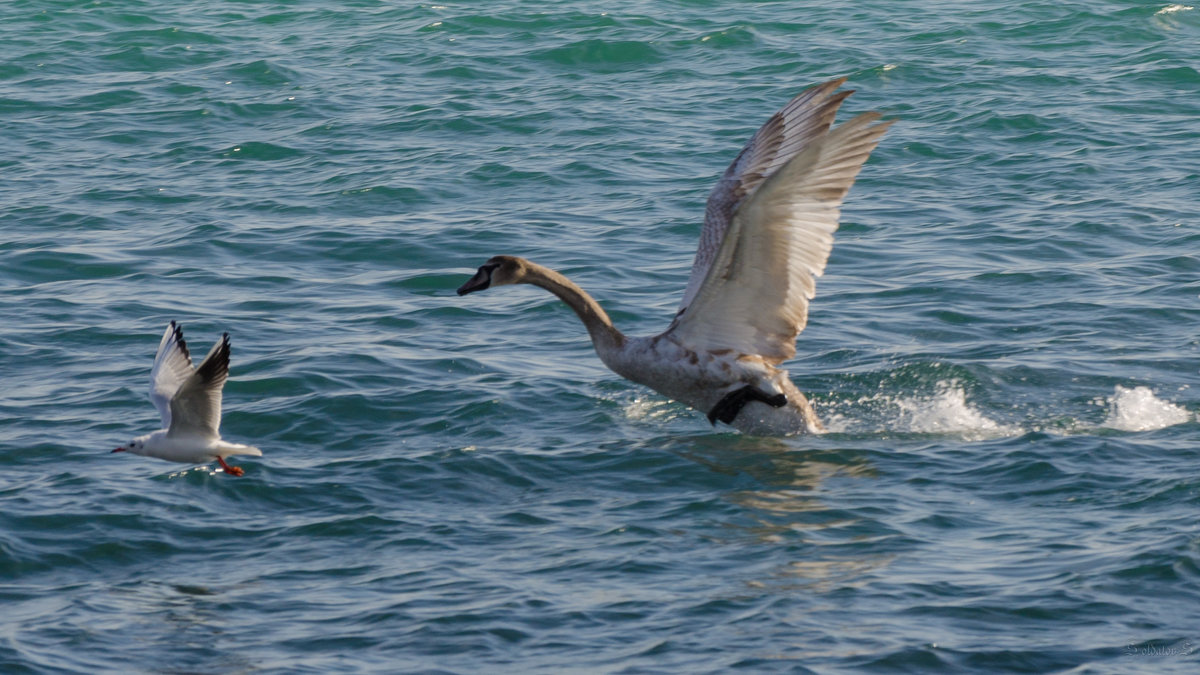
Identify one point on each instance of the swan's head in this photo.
(501, 270)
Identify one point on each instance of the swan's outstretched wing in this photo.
(172, 367)
(789, 131)
(754, 299)
(196, 406)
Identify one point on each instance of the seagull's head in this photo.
(137, 446)
(500, 270)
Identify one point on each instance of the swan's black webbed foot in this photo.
(727, 409)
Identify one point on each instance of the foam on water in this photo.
(1138, 409)
(1171, 9)
(945, 411)
(649, 408)
(318, 183)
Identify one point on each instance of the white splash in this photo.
(649, 408)
(1171, 9)
(1169, 17)
(945, 411)
(1138, 409)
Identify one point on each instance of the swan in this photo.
(768, 231)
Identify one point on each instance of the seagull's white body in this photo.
(189, 401)
(767, 234)
(189, 449)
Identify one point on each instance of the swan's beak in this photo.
(119, 450)
(479, 282)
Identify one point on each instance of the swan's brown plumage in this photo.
(767, 235)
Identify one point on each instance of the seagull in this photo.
(767, 234)
(189, 401)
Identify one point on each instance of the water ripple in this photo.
(1001, 345)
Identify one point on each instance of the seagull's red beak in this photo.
(119, 450)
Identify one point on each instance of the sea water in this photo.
(1003, 345)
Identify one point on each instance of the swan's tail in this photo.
(225, 449)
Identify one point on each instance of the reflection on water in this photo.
(787, 508)
(826, 576)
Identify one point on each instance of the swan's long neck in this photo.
(605, 337)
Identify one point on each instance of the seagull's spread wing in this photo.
(196, 405)
(172, 366)
(789, 131)
(754, 296)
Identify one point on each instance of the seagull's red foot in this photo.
(231, 470)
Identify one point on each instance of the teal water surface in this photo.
(1004, 343)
